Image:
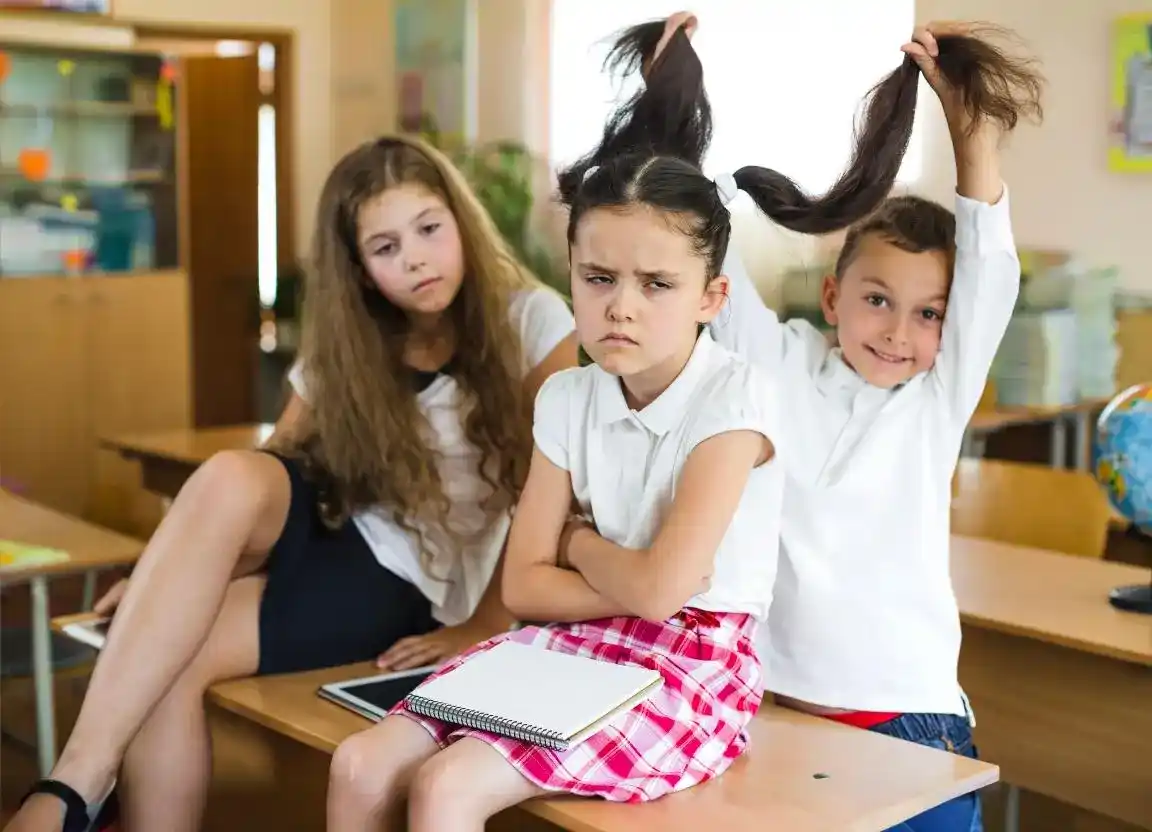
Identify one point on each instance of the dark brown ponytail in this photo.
(993, 85)
(653, 145)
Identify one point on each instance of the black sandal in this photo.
(76, 809)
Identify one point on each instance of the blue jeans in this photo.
(948, 733)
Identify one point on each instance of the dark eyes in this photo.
(605, 280)
(427, 230)
(877, 301)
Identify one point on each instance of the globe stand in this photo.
(1137, 598)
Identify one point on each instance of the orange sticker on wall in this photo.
(5, 65)
(34, 163)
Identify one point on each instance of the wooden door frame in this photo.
(282, 98)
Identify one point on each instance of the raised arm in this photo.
(985, 285)
(980, 107)
(746, 325)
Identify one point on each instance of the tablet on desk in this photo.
(374, 696)
(92, 631)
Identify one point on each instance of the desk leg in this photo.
(972, 446)
(42, 676)
(1059, 456)
(89, 598)
(1012, 808)
(1083, 440)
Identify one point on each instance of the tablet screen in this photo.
(386, 693)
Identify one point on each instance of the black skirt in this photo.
(328, 601)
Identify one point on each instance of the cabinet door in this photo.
(44, 450)
(221, 111)
(139, 379)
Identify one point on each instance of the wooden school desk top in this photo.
(985, 421)
(187, 445)
(88, 546)
(871, 782)
(1051, 597)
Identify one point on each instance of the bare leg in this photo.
(166, 771)
(463, 786)
(371, 772)
(224, 522)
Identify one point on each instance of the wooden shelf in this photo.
(81, 109)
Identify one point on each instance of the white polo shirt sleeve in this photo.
(552, 418)
(740, 397)
(542, 319)
(985, 285)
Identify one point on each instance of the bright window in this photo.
(785, 78)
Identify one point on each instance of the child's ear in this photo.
(715, 296)
(829, 297)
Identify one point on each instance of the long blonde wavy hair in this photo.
(363, 438)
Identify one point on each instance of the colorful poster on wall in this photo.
(1131, 145)
(435, 49)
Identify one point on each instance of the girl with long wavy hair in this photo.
(372, 525)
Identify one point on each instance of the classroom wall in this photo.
(1063, 195)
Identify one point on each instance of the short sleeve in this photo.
(741, 397)
(542, 319)
(553, 416)
(296, 379)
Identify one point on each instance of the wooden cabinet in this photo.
(82, 358)
(43, 415)
(128, 259)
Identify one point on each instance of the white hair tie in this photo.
(726, 186)
(589, 172)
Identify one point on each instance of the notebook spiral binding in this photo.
(486, 722)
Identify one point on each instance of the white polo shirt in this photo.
(625, 464)
(542, 320)
(864, 616)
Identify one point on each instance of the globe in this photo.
(1124, 454)
(1123, 463)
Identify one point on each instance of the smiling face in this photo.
(639, 291)
(409, 244)
(888, 307)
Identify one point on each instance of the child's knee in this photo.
(360, 766)
(439, 785)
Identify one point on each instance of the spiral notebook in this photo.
(543, 697)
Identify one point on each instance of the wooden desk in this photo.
(1061, 682)
(1080, 414)
(90, 548)
(873, 782)
(168, 458)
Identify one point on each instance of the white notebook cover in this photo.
(525, 691)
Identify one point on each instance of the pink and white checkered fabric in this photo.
(689, 732)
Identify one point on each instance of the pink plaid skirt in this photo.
(687, 733)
